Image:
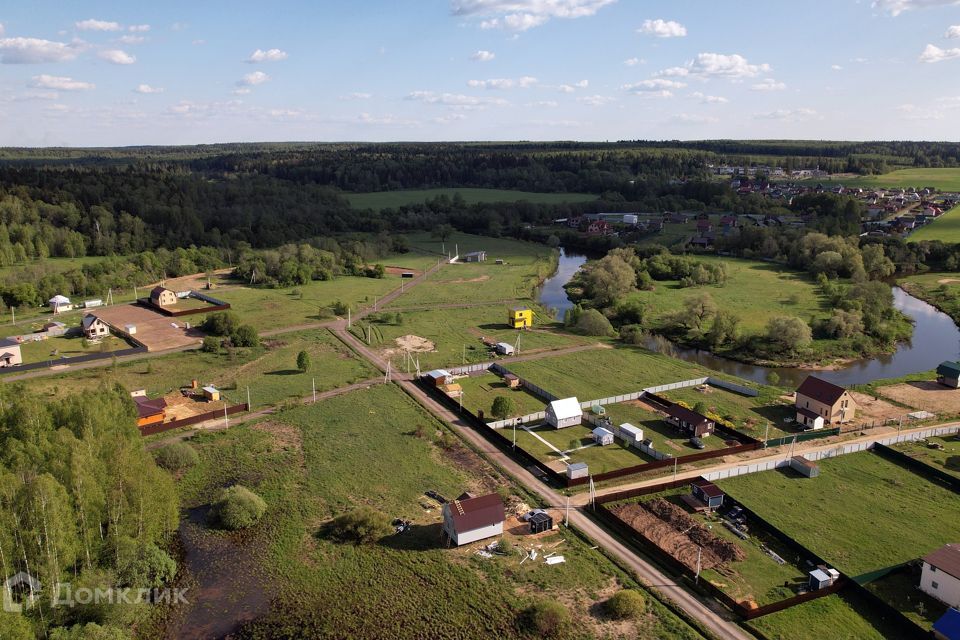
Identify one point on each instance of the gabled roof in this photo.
(948, 625)
(436, 374)
(949, 369)
(8, 342)
(946, 559)
(88, 320)
(59, 299)
(626, 427)
(686, 415)
(708, 488)
(475, 513)
(156, 291)
(601, 432)
(147, 408)
(820, 390)
(565, 408)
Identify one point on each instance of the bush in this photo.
(245, 336)
(593, 323)
(363, 525)
(303, 361)
(176, 456)
(211, 344)
(547, 619)
(340, 308)
(221, 323)
(503, 407)
(238, 508)
(90, 631)
(626, 603)
(143, 566)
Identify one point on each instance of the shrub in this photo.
(303, 361)
(245, 336)
(221, 323)
(593, 323)
(547, 619)
(144, 566)
(503, 407)
(238, 508)
(363, 525)
(340, 308)
(176, 456)
(626, 603)
(211, 344)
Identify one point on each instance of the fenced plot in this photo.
(155, 331)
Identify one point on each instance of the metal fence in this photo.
(87, 357)
(732, 386)
(803, 437)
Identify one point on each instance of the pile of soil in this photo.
(681, 520)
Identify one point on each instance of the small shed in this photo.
(631, 434)
(512, 381)
(439, 377)
(810, 419)
(211, 393)
(540, 522)
(59, 303)
(453, 390)
(504, 348)
(130, 329)
(602, 436)
(520, 317)
(806, 467)
(948, 374)
(475, 256)
(163, 297)
(90, 304)
(598, 410)
(819, 579)
(564, 413)
(707, 493)
(577, 470)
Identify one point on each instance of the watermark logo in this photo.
(22, 584)
(21, 590)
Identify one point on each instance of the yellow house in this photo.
(520, 317)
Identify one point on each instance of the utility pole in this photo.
(386, 378)
(515, 434)
(248, 399)
(593, 494)
(699, 554)
(766, 436)
(674, 468)
(13, 310)
(226, 420)
(461, 401)
(463, 359)
(314, 382)
(566, 519)
(348, 318)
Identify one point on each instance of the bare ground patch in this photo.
(926, 395)
(870, 409)
(411, 344)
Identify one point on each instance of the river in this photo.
(935, 339)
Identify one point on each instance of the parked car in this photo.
(697, 443)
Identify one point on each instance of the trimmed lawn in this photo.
(600, 459)
(943, 179)
(270, 371)
(750, 415)
(457, 335)
(665, 437)
(479, 392)
(835, 617)
(946, 228)
(861, 514)
(947, 460)
(899, 589)
(63, 348)
(392, 199)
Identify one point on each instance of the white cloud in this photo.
(768, 84)
(913, 112)
(657, 87)
(662, 28)
(788, 115)
(521, 15)
(543, 104)
(483, 56)
(270, 55)
(449, 118)
(138, 28)
(632, 62)
(357, 95)
(454, 100)
(693, 118)
(129, 39)
(706, 99)
(97, 25)
(566, 88)
(387, 119)
(35, 51)
(673, 72)
(59, 83)
(199, 42)
(241, 91)
(523, 82)
(952, 32)
(145, 88)
(896, 7)
(116, 56)
(253, 79)
(935, 54)
(836, 67)
(2, 30)
(596, 100)
(725, 66)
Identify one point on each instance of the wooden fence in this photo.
(153, 429)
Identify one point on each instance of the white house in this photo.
(59, 304)
(940, 577)
(466, 521)
(564, 413)
(602, 436)
(10, 353)
(630, 434)
(94, 327)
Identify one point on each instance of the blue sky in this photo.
(122, 73)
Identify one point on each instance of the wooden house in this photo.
(818, 397)
(472, 519)
(689, 421)
(162, 297)
(707, 493)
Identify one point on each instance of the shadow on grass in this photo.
(419, 537)
(284, 372)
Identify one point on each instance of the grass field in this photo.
(755, 291)
(835, 617)
(943, 179)
(61, 347)
(270, 371)
(870, 513)
(665, 438)
(939, 288)
(899, 589)
(479, 392)
(946, 228)
(392, 199)
(305, 464)
(947, 460)
(600, 459)
(456, 335)
(750, 415)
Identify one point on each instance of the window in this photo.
(933, 569)
(934, 584)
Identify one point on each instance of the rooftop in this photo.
(946, 559)
(820, 390)
(565, 408)
(475, 513)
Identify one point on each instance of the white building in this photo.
(940, 577)
(10, 353)
(59, 304)
(564, 413)
(466, 521)
(94, 327)
(578, 470)
(630, 434)
(505, 348)
(602, 436)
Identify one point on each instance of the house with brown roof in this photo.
(163, 297)
(940, 576)
(471, 519)
(689, 421)
(94, 328)
(149, 411)
(819, 399)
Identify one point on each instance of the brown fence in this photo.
(153, 429)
